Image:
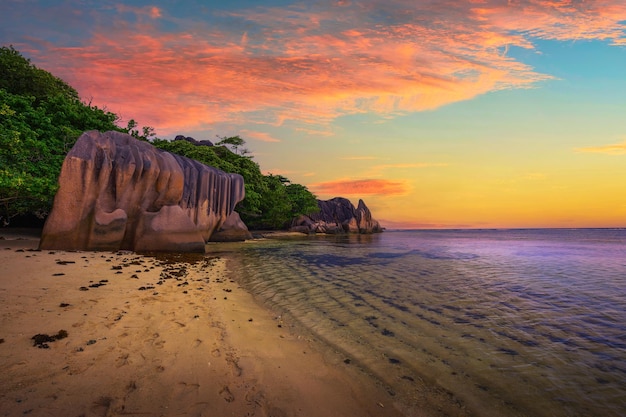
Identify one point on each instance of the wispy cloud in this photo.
(535, 176)
(411, 165)
(377, 170)
(358, 158)
(346, 187)
(260, 136)
(152, 12)
(312, 62)
(394, 224)
(615, 149)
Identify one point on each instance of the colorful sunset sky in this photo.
(438, 114)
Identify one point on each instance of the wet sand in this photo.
(124, 334)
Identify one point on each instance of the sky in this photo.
(438, 114)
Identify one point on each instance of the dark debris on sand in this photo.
(41, 340)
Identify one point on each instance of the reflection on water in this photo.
(511, 322)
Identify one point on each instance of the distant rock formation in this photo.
(116, 192)
(338, 215)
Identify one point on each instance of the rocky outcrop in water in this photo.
(338, 215)
(116, 192)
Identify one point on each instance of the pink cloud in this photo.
(260, 136)
(311, 63)
(562, 20)
(360, 187)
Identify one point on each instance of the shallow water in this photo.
(506, 322)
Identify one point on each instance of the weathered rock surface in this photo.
(232, 230)
(338, 215)
(117, 192)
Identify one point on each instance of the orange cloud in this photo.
(310, 63)
(561, 20)
(360, 187)
(260, 136)
(616, 149)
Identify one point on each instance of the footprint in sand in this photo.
(233, 361)
(105, 402)
(122, 360)
(226, 394)
(156, 342)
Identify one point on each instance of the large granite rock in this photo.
(116, 192)
(338, 215)
(232, 230)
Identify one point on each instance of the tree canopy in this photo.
(21, 77)
(41, 117)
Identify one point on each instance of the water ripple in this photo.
(512, 323)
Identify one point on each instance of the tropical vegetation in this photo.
(41, 117)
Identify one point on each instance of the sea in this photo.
(525, 322)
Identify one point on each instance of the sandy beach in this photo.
(107, 334)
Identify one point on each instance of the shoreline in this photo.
(147, 336)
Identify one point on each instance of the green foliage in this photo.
(301, 199)
(234, 143)
(20, 77)
(132, 129)
(275, 206)
(40, 119)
